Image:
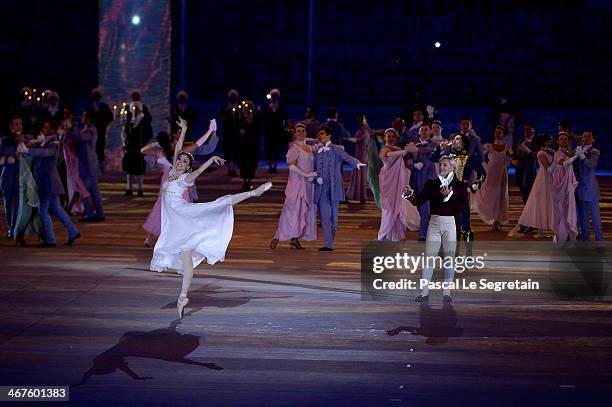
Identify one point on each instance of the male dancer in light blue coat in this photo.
(588, 189)
(329, 190)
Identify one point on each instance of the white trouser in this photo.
(440, 231)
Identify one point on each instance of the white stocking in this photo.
(187, 271)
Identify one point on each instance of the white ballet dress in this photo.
(204, 228)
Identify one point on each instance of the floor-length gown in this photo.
(204, 228)
(153, 223)
(397, 213)
(299, 213)
(374, 166)
(28, 219)
(538, 211)
(491, 200)
(565, 222)
(73, 179)
(358, 189)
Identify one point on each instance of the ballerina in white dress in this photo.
(193, 232)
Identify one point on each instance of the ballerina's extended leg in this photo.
(237, 198)
(187, 277)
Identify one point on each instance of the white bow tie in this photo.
(323, 149)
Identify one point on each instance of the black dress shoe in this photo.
(140, 192)
(99, 218)
(71, 240)
(128, 192)
(325, 249)
(447, 298)
(421, 298)
(87, 219)
(422, 239)
(46, 245)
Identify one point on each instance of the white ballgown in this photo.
(204, 228)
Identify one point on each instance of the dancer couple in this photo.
(315, 180)
(193, 232)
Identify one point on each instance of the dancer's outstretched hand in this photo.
(217, 160)
(213, 125)
(182, 123)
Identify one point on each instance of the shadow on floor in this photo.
(161, 344)
(205, 296)
(437, 325)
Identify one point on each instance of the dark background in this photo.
(551, 58)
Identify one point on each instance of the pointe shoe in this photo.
(261, 189)
(295, 244)
(273, 244)
(181, 303)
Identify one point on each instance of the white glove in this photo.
(523, 147)
(22, 148)
(418, 166)
(319, 180)
(578, 150)
(297, 170)
(351, 139)
(41, 138)
(569, 161)
(430, 110)
(396, 153)
(582, 156)
(10, 160)
(213, 125)
(359, 165)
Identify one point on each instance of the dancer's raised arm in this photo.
(182, 123)
(190, 178)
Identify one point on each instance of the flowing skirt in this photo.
(204, 228)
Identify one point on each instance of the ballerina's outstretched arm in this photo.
(182, 123)
(190, 178)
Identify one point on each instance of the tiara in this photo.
(187, 154)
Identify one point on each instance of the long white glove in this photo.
(569, 161)
(149, 146)
(359, 165)
(22, 148)
(39, 139)
(297, 170)
(351, 139)
(523, 147)
(396, 153)
(430, 110)
(580, 152)
(418, 166)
